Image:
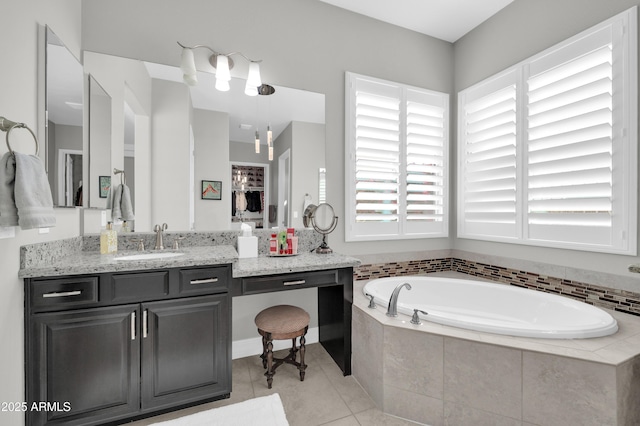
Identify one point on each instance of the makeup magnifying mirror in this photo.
(323, 220)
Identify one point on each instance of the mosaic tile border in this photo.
(618, 300)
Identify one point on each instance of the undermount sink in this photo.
(149, 256)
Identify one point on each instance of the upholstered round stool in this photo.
(282, 322)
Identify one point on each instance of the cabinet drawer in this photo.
(139, 286)
(63, 293)
(204, 280)
(289, 282)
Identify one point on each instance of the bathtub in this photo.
(494, 308)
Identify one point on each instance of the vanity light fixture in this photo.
(223, 63)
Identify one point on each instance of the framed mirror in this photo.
(63, 104)
(219, 126)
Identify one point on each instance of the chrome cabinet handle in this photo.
(63, 294)
(145, 324)
(204, 281)
(294, 282)
(133, 325)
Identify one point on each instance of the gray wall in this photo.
(19, 103)
(519, 31)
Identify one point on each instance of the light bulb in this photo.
(257, 142)
(250, 90)
(222, 68)
(188, 67)
(269, 135)
(222, 85)
(270, 153)
(254, 75)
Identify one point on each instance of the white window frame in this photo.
(620, 237)
(403, 228)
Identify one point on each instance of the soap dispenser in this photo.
(108, 240)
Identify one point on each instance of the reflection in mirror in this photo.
(64, 79)
(284, 189)
(249, 198)
(322, 185)
(99, 145)
(222, 127)
(129, 154)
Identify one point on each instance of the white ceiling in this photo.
(444, 19)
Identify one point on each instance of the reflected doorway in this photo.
(284, 188)
(70, 191)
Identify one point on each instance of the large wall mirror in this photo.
(64, 87)
(172, 137)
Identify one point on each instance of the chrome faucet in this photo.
(392, 309)
(158, 230)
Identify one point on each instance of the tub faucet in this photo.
(158, 230)
(392, 309)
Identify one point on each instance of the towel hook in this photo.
(8, 126)
(123, 177)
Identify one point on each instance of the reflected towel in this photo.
(119, 201)
(25, 195)
(126, 207)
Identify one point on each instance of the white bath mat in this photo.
(266, 410)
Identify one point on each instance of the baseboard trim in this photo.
(253, 346)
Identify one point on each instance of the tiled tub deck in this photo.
(439, 375)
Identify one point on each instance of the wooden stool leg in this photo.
(264, 352)
(303, 366)
(269, 372)
(293, 349)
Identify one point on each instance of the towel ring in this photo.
(8, 126)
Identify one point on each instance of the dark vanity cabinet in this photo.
(115, 346)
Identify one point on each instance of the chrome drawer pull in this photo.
(294, 282)
(205, 281)
(63, 294)
(133, 325)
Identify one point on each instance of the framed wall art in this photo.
(211, 190)
(105, 185)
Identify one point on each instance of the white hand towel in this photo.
(115, 197)
(8, 209)
(119, 201)
(126, 207)
(25, 190)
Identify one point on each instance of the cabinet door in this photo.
(186, 350)
(85, 364)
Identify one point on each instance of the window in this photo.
(548, 149)
(397, 160)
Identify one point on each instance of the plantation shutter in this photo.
(426, 135)
(488, 159)
(548, 148)
(377, 157)
(397, 160)
(570, 142)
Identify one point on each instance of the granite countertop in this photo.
(92, 262)
(266, 265)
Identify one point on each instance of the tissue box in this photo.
(247, 247)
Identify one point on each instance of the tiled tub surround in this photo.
(441, 375)
(603, 297)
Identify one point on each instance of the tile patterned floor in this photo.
(325, 397)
